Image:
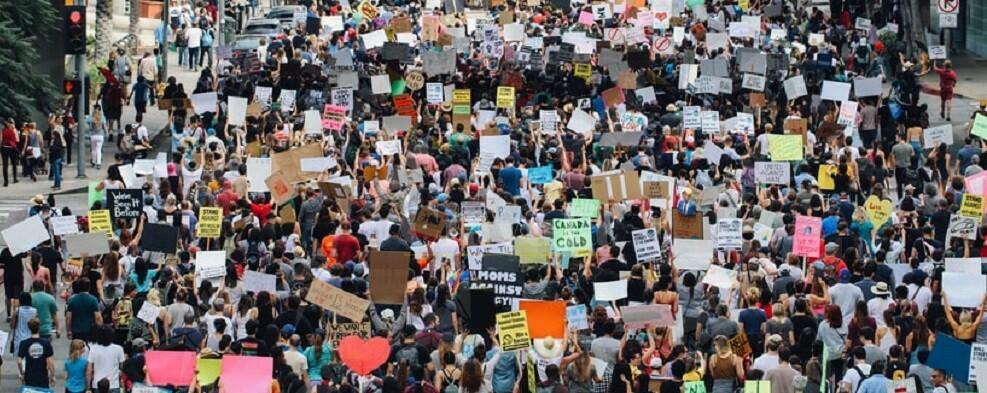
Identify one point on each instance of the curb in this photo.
(161, 132)
(932, 89)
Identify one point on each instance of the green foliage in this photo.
(21, 23)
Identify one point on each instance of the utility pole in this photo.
(80, 115)
(166, 27)
(220, 20)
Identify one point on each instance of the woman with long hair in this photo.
(448, 375)
(691, 301)
(143, 276)
(445, 309)
(266, 313)
(920, 338)
(887, 335)
(245, 311)
(113, 280)
(417, 308)
(581, 374)
(860, 320)
(833, 334)
(97, 134)
(752, 321)
(780, 324)
(318, 354)
(75, 368)
(621, 381)
(56, 153)
(40, 273)
(725, 367)
(665, 293)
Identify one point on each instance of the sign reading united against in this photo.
(512, 330)
(210, 222)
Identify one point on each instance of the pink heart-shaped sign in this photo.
(363, 356)
(661, 15)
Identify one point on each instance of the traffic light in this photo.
(75, 30)
(71, 87)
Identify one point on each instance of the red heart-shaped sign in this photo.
(363, 356)
(661, 15)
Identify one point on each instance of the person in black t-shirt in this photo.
(250, 345)
(13, 277)
(34, 359)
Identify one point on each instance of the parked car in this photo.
(262, 26)
(286, 14)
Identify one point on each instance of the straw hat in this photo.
(548, 347)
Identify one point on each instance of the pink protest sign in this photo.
(808, 236)
(654, 315)
(247, 374)
(586, 18)
(170, 368)
(975, 184)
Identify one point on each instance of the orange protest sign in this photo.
(545, 318)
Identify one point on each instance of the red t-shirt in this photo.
(227, 200)
(261, 210)
(346, 246)
(9, 137)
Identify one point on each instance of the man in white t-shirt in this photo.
(105, 358)
(856, 373)
(445, 248)
(769, 360)
(194, 36)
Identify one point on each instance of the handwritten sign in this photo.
(210, 222)
(337, 300)
(972, 205)
(772, 172)
(808, 236)
(99, 221)
(571, 234)
(785, 147)
(589, 208)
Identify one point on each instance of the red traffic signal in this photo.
(75, 30)
(71, 87)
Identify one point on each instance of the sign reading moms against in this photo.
(500, 272)
(125, 203)
(571, 234)
(210, 222)
(390, 276)
(337, 300)
(512, 330)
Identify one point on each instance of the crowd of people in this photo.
(856, 304)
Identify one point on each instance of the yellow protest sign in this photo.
(461, 96)
(785, 147)
(210, 222)
(512, 330)
(505, 97)
(878, 210)
(532, 249)
(972, 205)
(99, 221)
(826, 173)
(583, 70)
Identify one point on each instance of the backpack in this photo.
(207, 38)
(409, 353)
(862, 377)
(253, 253)
(449, 382)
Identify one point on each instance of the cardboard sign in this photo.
(772, 172)
(281, 191)
(808, 236)
(82, 245)
(616, 186)
(571, 234)
(686, 227)
(512, 330)
(337, 300)
(545, 318)
(210, 222)
(390, 276)
(337, 331)
(500, 272)
(289, 163)
(430, 223)
(740, 345)
(125, 203)
(160, 238)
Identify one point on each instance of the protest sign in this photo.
(429, 223)
(257, 281)
(756, 386)
(785, 147)
(512, 330)
(337, 300)
(160, 238)
(795, 87)
(210, 264)
(532, 250)
(24, 235)
(972, 205)
(474, 213)
(950, 355)
(612, 290)
(934, 136)
(125, 203)
(510, 214)
(867, 87)
(99, 221)
(692, 254)
(281, 191)
(497, 231)
(978, 359)
(878, 210)
(86, 244)
(720, 277)
(247, 374)
(149, 313)
(545, 318)
(207, 370)
(651, 315)
(686, 227)
(390, 276)
(337, 331)
(808, 236)
(729, 233)
(772, 172)
(962, 227)
(964, 289)
(210, 222)
(616, 186)
(63, 225)
(694, 387)
(571, 234)
(174, 368)
(740, 345)
(836, 91)
(646, 244)
(657, 189)
(576, 317)
(258, 170)
(589, 208)
(502, 273)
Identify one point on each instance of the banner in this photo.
(502, 273)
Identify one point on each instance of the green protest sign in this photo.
(572, 234)
(979, 126)
(589, 208)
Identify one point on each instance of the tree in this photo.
(914, 33)
(135, 16)
(23, 26)
(104, 23)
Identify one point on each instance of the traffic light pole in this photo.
(166, 25)
(81, 135)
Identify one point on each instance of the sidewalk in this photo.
(971, 83)
(155, 120)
